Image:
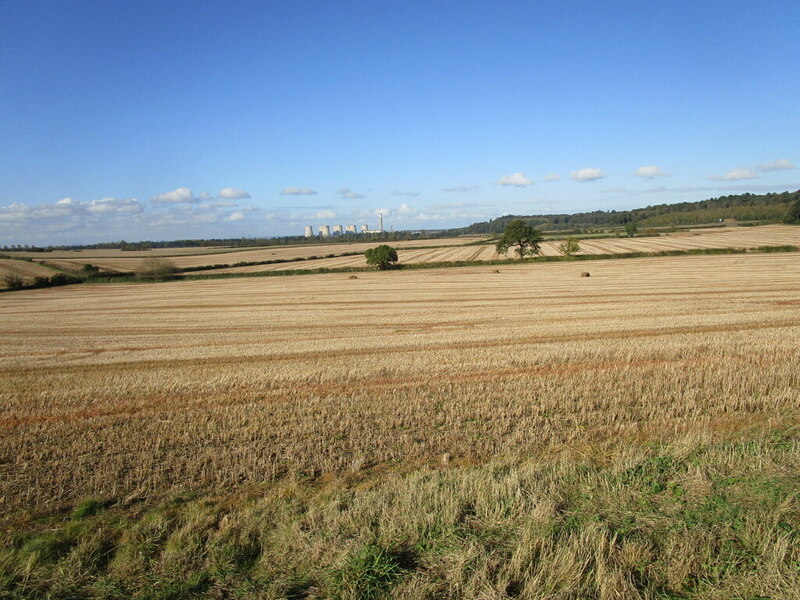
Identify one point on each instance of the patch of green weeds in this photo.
(88, 508)
(651, 475)
(716, 511)
(369, 573)
(194, 584)
(47, 547)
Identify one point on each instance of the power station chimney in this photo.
(380, 221)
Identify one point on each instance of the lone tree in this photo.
(382, 256)
(569, 247)
(89, 269)
(525, 238)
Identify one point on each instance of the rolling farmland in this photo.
(410, 252)
(753, 237)
(567, 420)
(23, 268)
(119, 260)
(215, 383)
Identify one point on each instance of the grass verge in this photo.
(692, 519)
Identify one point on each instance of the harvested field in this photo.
(216, 383)
(419, 251)
(744, 237)
(129, 260)
(475, 433)
(22, 268)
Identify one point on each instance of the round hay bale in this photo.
(353, 277)
(585, 274)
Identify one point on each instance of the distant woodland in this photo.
(742, 207)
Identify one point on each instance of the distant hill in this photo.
(742, 207)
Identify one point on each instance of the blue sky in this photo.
(171, 120)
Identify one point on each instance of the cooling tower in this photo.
(350, 228)
(337, 230)
(364, 228)
(309, 231)
(325, 231)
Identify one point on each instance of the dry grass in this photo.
(686, 520)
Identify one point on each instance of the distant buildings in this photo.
(325, 231)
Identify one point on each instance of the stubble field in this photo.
(491, 381)
(409, 252)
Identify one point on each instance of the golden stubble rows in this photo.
(729, 237)
(410, 251)
(130, 260)
(149, 388)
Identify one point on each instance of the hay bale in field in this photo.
(353, 277)
(585, 274)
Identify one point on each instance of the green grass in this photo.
(691, 519)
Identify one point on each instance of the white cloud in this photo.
(114, 205)
(230, 193)
(14, 212)
(326, 214)
(69, 207)
(650, 172)
(350, 194)
(516, 180)
(66, 219)
(587, 174)
(782, 164)
(296, 191)
(223, 204)
(409, 194)
(552, 177)
(407, 210)
(461, 189)
(70, 221)
(178, 196)
(382, 211)
(735, 175)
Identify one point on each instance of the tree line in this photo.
(773, 207)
